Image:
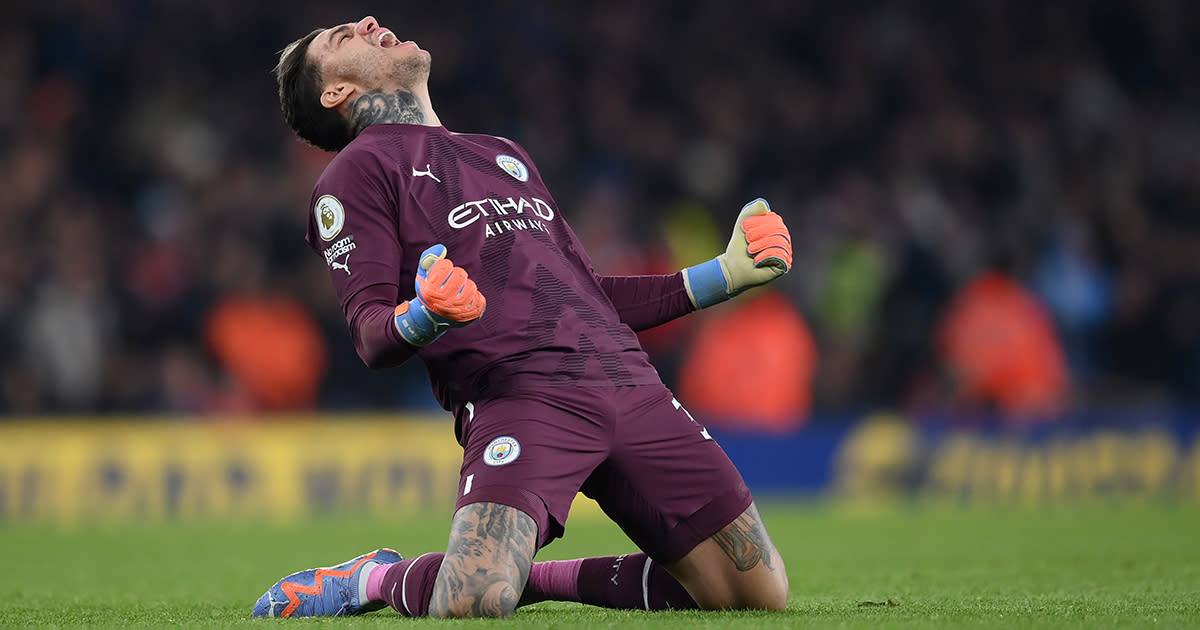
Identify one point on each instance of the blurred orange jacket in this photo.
(272, 348)
(751, 366)
(1002, 348)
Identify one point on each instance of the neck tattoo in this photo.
(374, 108)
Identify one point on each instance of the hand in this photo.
(446, 298)
(759, 251)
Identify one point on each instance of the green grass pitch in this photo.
(1133, 565)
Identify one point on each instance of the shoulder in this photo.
(360, 170)
(508, 153)
(499, 143)
(359, 181)
(360, 159)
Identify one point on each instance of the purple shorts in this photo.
(634, 450)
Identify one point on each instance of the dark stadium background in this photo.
(183, 418)
(973, 401)
(148, 179)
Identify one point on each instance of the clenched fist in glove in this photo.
(446, 298)
(759, 251)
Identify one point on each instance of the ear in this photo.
(336, 94)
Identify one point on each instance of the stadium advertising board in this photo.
(276, 469)
(884, 456)
(89, 472)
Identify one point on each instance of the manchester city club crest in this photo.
(513, 166)
(501, 451)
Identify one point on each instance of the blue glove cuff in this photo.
(706, 284)
(418, 326)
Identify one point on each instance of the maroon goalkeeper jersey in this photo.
(398, 189)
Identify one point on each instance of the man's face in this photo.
(369, 56)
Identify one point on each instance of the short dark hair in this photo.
(300, 87)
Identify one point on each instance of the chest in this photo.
(471, 195)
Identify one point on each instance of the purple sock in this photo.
(407, 585)
(630, 581)
(556, 580)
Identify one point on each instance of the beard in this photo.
(411, 70)
(375, 69)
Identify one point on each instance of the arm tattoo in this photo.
(374, 108)
(486, 564)
(745, 541)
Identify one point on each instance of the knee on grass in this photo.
(772, 598)
(768, 599)
(496, 602)
(763, 591)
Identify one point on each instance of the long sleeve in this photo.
(353, 227)
(647, 301)
(373, 329)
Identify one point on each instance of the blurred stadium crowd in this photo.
(995, 204)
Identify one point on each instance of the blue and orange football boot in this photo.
(336, 591)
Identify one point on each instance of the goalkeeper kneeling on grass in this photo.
(533, 353)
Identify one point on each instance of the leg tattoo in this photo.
(486, 564)
(745, 541)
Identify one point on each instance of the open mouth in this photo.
(387, 39)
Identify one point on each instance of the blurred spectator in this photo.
(901, 140)
(751, 365)
(271, 348)
(1000, 347)
(71, 321)
(266, 340)
(1077, 290)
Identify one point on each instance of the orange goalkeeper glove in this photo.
(759, 251)
(446, 298)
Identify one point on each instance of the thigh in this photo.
(487, 562)
(531, 452)
(667, 483)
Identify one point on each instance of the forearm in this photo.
(373, 330)
(647, 301)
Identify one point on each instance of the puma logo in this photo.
(616, 567)
(428, 172)
(343, 266)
